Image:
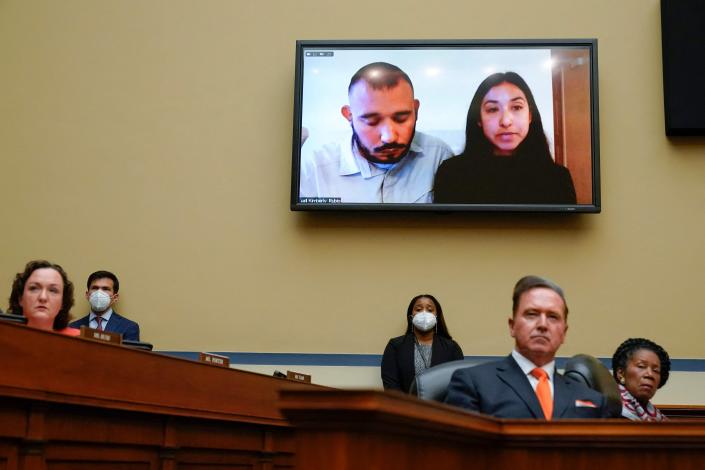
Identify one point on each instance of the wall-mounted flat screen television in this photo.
(446, 125)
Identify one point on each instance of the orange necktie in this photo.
(543, 392)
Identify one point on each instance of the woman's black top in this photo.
(502, 180)
(398, 361)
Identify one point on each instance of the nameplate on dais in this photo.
(98, 335)
(298, 376)
(214, 359)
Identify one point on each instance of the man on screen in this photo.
(385, 159)
(525, 384)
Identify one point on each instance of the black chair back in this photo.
(432, 384)
(589, 371)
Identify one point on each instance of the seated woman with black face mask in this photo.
(426, 343)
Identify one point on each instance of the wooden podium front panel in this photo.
(369, 450)
(8, 456)
(376, 430)
(138, 410)
(601, 459)
(106, 457)
(59, 436)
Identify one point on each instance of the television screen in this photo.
(501, 125)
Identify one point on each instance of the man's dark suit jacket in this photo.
(398, 361)
(118, 324)
(502, 390)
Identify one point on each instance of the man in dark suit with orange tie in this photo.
(102, 290)
(525, 384)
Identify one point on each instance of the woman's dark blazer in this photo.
(398, 360)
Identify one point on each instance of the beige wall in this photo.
(153, 138)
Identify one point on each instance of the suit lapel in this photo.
(114, 322)
(510, 373)
(561, 395)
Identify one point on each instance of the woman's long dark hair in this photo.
(535, 145)
(441, 328)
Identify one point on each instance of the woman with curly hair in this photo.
(640, 367)
(43, 294)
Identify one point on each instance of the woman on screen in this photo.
(506, 158)
(426, 343)
(43, 294)
(640, 367)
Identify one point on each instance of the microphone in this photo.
(13, 318)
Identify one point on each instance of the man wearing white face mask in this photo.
(426, 343)
(102, 293)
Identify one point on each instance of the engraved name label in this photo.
(214, 359)
(298, 376)
(97, 335)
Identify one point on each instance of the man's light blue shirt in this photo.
(337, 171)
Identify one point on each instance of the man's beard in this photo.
(367, 154)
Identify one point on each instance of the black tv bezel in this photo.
(589, 43)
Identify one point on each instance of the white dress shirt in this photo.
(93, 323)
(527, 366)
